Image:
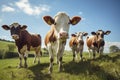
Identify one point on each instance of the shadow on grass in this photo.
(109, 58)
(90, 68)
(37, 70)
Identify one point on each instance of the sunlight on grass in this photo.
(102, 68)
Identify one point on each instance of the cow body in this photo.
(77, 44)
(55, 39)
(96, 42)
(24, 42)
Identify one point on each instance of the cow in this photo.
(96, 42)
(55, 39)
(77, 43)
(24, 42)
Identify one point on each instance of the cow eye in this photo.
(98, 33)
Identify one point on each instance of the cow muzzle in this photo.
(63, 35)
(15, 37)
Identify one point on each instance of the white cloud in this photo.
(27, 8)
(7, 9)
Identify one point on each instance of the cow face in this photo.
(79, 35)
(61, 23)
(15, 29)
(100, 34)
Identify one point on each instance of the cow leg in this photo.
(38, 55)
(51, 57)
(60, 60)
(89, 53)
(35, 55)
(62, 47)
(73, 51)
(81, 51)
(93, 53)
(25, 59)
(101, 51)
(20, 57)
(51, 64)
(76, 55)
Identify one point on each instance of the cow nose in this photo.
(15, 37)
(63, 35)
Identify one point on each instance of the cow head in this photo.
(61, 23)
(15, 29)
(100, 34)
(79, 35)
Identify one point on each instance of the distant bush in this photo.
(6, 54)
(2, 52)
(9, 55)
(11, 47)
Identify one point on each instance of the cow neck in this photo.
(52, 34)
(22, 38)
(99, 43)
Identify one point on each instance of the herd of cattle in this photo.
(55, 39)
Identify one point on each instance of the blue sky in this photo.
(95, 14)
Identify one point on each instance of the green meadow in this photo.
(106, 67)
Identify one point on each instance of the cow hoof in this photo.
(25, 66)
(50, 70)
(20, 66)
(60, 69)
(34, 62)
(38, 62)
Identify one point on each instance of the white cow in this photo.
(96, 42)
(55, 39)
(77, 44)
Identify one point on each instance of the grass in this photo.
(106, 67)
(4, 44)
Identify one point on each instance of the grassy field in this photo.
(105, 68)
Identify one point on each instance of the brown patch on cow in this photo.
(91, 41)
(28, 39)
(81, 42)
(73, 41)
(35, 40)
(50, 36)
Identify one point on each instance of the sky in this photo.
(95, 14)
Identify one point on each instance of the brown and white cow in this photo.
(24, 41)
(96, 42)
(55, 39)
(77, 44)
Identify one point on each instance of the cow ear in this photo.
(75, 20)
(107, 32)
(85, 34)
(6, 27)
(49, 20)
(73, 35)
(23, 27)
(93, 33)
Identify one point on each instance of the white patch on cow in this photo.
(61, 20)
(20, 55)
(52, 48)
(24, 49)
(14, 24)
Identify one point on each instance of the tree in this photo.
(114, 48)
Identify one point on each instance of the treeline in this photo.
(6, 40)
(114, 48)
